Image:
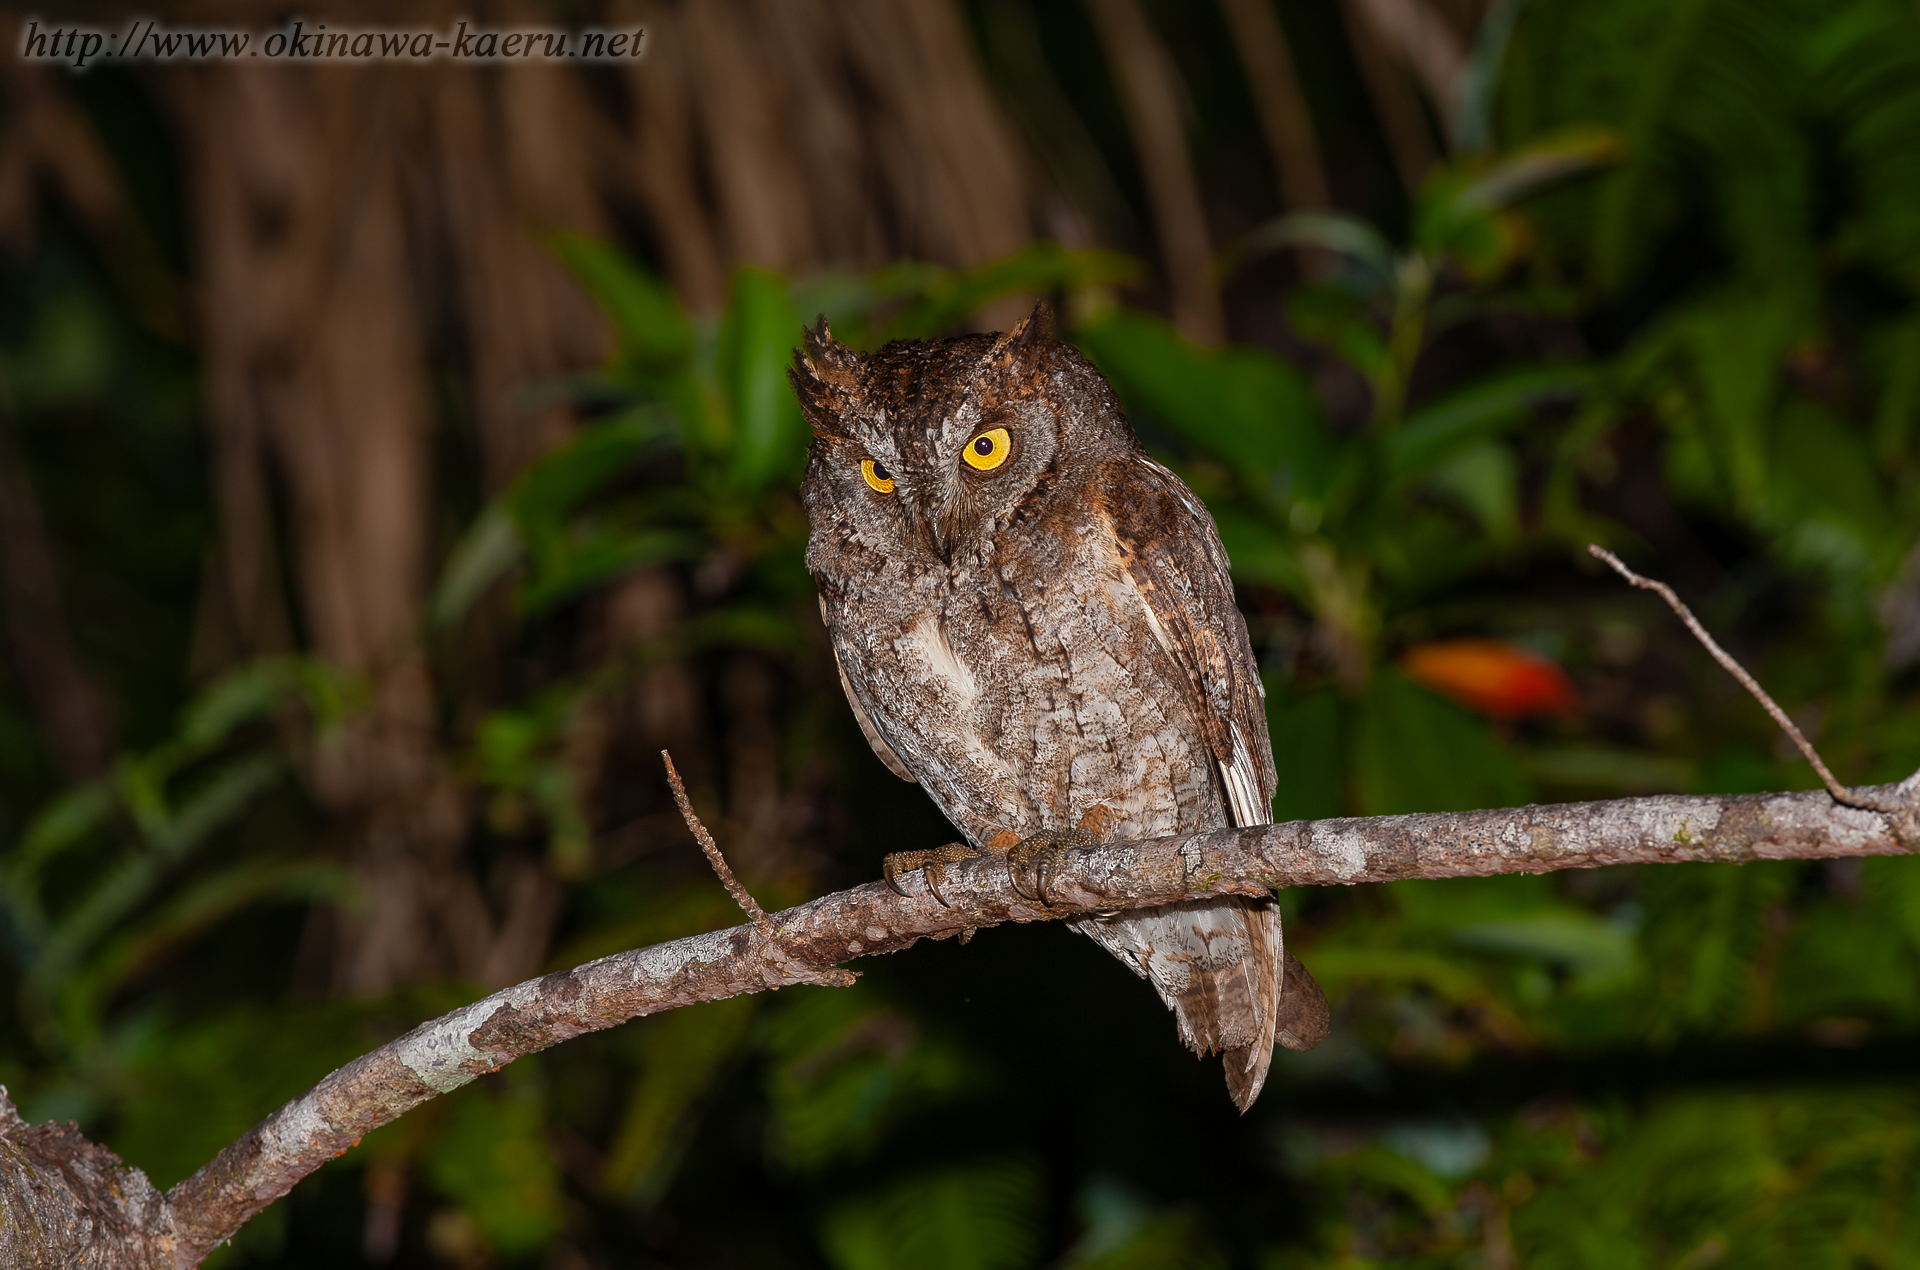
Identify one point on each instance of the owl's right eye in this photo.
(877, 477)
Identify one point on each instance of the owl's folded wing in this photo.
(1172, 553)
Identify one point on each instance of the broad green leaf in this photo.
(544, 496)
(1595, 950)
(1306, 753)
(567, 549)
(202, 905)
(1344, 322)
(1468, 416)
(757, 338)
(1483, 480)
(1260, 554)
(62, 823)
(1417, 751)
(1460, 213)
(1342, 966)
(1242, 405)
(569, 566)
(1704, 929)
(124, 887)
(654, 332)
(1828, 495)
(239, 696)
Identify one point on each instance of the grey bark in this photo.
(68, 1202)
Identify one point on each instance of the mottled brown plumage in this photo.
(1043, 634)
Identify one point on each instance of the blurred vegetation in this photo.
(1673, 311)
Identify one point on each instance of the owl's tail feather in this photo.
(1221, 967)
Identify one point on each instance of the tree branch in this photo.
(1841, 793)
(808, 941)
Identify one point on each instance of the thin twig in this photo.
(1840, 792)
(741, 896)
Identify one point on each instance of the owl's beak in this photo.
(938, 526)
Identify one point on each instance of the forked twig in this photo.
(741, 896)
(1840, 792)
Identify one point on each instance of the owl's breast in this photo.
(1028, 690)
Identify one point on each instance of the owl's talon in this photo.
(1041, 852)
(931, 862)
(935, 873)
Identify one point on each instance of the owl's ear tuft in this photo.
(832, 360)
(824, 371)
(1030, 330)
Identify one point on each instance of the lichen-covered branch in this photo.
(42, 1203)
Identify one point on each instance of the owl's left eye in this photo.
(878, 477)
(988, 450)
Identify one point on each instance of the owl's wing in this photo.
(878, 742)
(1221, 964)
(1172, 554)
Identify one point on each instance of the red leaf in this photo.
(1492, 676)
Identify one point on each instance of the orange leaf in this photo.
(1492, 676)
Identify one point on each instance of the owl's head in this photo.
(927, 448)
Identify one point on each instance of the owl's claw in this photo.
(932, 862)
(1041, 853)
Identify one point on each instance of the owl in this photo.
(1034, 621)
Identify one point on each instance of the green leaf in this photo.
(1473, 414)
(124, 887)
(1595, 950)
(1613, 771)
(569, 550)
(1483, 480)
(757, 337)
(1242, 405)
(983, 1217)
(490, 547)
(569, 566)
(1259, 553)
(545, 496)
(1417, 751)
(683, 1053)
(653, 329)
(945, 299)
(492, 1157)
(1347, 236)
(1345, 323)
(1827, 501)
(840, 1070)
(1306, 753)
(200, 906)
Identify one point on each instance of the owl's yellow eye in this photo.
(877, 476)
(988, 450)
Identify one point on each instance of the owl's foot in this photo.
(1040, 856)
(932, 861)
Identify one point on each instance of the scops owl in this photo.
(1033, 619)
